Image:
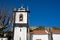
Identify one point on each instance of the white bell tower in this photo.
(21, 23)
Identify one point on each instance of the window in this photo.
(38, 39)
(20, 38)
(20, 30)
(1, 38)
(21, 17)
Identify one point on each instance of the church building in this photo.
(21, 29)
(21, 24)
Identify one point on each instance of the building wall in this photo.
(56, 36)
(20, 33)
(24, 17)
(39, 37)
(3, 38)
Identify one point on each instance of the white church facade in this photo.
(21, 28)
(21, 24)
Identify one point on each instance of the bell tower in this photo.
(21, 17)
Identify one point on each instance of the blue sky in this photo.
(42, 12)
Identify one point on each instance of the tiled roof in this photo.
(38, 32)
(44, 32)
(55, 31)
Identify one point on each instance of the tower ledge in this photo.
(21, 9)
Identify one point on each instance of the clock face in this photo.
(21, 17)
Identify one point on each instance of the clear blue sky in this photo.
(42, 12)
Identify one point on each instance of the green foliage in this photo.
(55, 28)
(40, 28)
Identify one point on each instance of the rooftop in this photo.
(44, 32)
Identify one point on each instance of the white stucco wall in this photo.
(20, 34)
(39, 37)
(24, 17)
(3, 39)
(56, 36)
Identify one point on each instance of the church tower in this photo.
(21, 17)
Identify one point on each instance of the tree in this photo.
(4, 24)
(40, 28)
(55, 28)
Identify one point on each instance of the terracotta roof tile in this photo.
(38, 32)
(55, 31)
(44, 32)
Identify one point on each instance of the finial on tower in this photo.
(21, 9)
(14, 9)
(22, 6)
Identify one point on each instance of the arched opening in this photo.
(21, 17)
